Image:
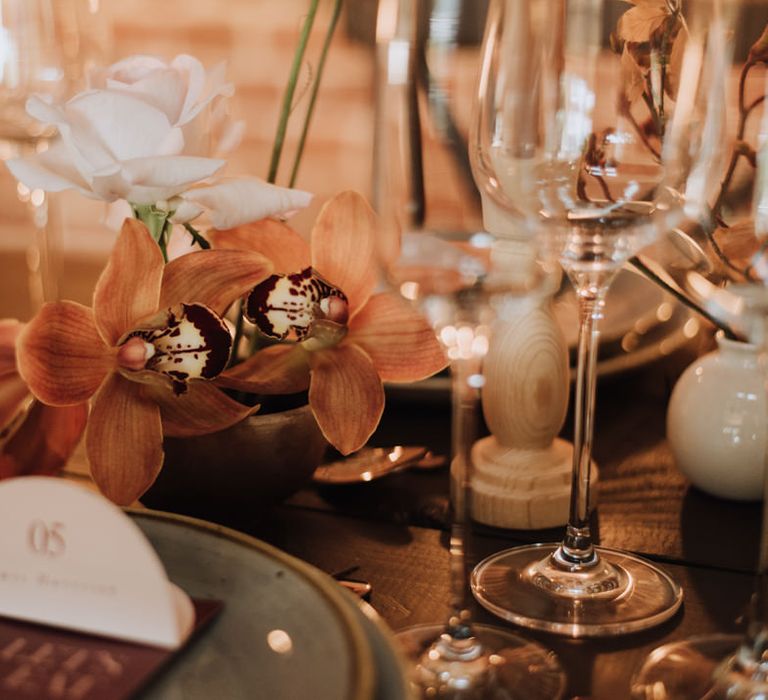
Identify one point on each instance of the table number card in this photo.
(69, 558)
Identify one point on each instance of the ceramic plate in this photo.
(286, 631)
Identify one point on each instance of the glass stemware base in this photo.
(494, 663)
(700, 668)
(529, 586)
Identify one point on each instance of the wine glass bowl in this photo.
(599, 124)
(41, 54)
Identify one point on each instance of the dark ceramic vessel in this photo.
(238, 472)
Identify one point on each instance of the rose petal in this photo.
(344, 246)
(400, 342)
(202, 409)
(189, 342)
(128, 126)
(129, 287)
(44, 441)
(346, 396)
(202, 86)
(278, 369)
(195, 79)
(238, 201)
(185, 212)
(161, 87)
(212, 277)
(52, 170)
(124, 440)
(61, 356)
(287, 250)
(126, 71)
(149, 180)
(10, 329)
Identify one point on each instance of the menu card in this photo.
(86, 608)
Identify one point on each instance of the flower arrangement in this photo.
(155, 355)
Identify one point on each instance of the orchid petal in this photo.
(238, 201)
(344, 246)
(44, 441)
(201, 410)
(119, 301)
(212, 277)
(287, 250)
(61, 356)
(189, 341)
(10, 329)
(346, 396)
(124, 440)
(13, 393)
(400, 342)
(278, 369)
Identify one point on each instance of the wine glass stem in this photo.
(577, 545)
(464, 406)
(42, 254)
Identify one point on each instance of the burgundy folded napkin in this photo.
(45, 663)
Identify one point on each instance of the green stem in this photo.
(315, 89)
(290, 89)
(162, 242)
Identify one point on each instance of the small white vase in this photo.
(717, 422)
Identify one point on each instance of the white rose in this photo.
(142, 137)
(190, 97)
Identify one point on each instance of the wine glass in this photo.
(600, 123)
(453, 273)
(721, 666)
(43, 51)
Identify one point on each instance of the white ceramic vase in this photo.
(717, 422)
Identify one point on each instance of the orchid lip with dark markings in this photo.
(190, 342)
(290, 306)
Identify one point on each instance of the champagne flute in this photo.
(453, 275)
(601, 125)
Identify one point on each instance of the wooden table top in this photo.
(393, 532)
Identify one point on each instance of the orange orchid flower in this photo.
(34, 438)
(141, 354)
(348, 340)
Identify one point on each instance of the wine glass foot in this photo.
(495, 665)
(700, 668)
(629, 594)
